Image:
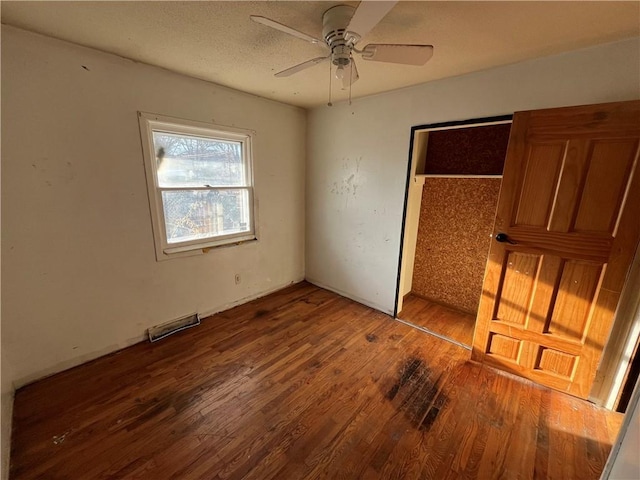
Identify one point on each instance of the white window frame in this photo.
(151, 122)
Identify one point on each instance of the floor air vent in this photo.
(161, 331)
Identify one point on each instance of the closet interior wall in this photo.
(462, 176)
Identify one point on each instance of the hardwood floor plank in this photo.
(302, 384)
(520, 459)
(439, 319)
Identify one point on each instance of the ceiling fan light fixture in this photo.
(340, 72)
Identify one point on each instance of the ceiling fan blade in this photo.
(283, 28)
(350, 75)
(404, 54)
(367, 16)
(301, 66)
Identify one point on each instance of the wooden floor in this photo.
(302, 384)
(448, 322)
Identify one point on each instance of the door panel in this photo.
(556, 362)
(517, 287)
(541, 176)
(570, 206)
(605, 186)
(574, 298)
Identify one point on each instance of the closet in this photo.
(454, 186)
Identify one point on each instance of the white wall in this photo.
(357, 155)
(623, 463)
(6, 411)
(79, 274)
(6, 408)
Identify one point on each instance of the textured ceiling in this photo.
(216, 41)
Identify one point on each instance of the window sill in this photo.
(206, 246)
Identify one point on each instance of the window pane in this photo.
(197, 214)
(188, 161)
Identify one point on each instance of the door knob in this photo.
(504, 238)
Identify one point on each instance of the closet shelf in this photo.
(453, 175)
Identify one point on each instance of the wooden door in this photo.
(570, 209)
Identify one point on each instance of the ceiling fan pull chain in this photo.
(350, 79)
(330, 104)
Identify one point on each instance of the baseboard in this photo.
(247, 299)
(350, 296)
(72, 363)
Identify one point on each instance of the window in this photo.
(200, 184)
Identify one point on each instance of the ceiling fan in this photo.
(342, 28)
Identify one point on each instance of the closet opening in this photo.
(453, 183)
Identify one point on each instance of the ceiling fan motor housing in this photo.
(334, 31)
